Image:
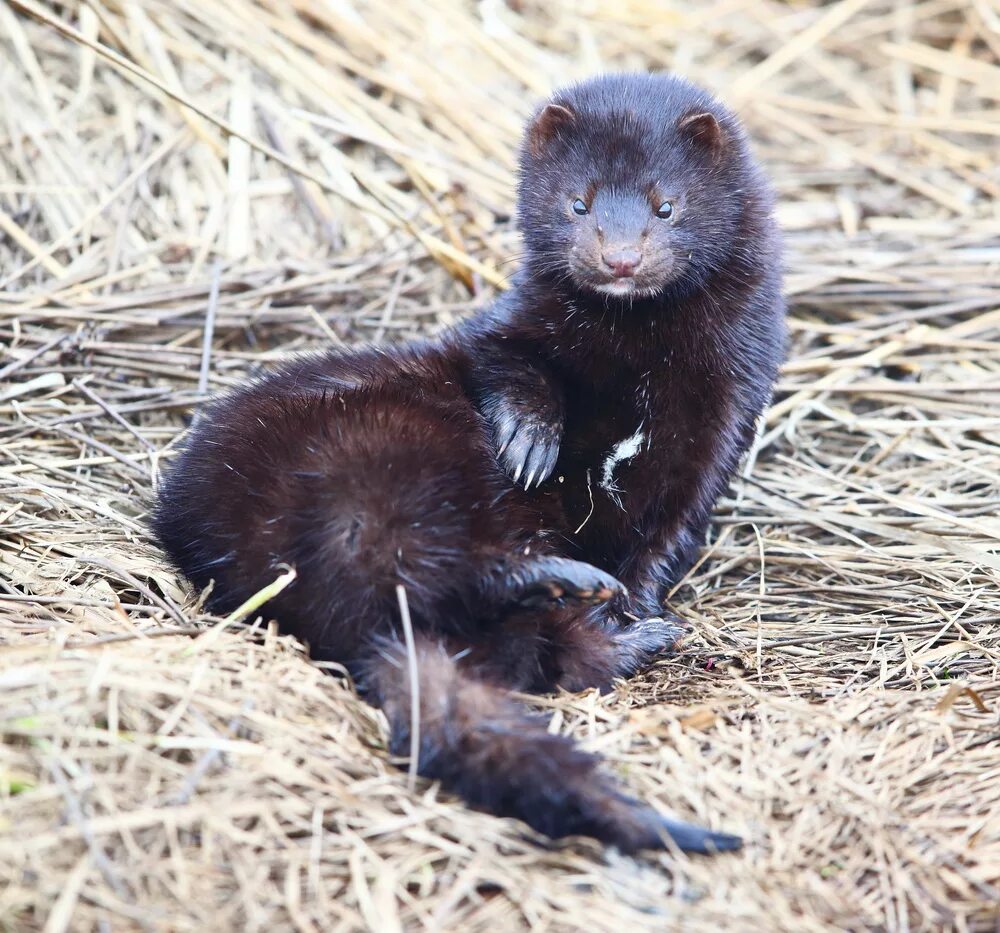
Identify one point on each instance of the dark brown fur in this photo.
(564, 370)
(374, 468)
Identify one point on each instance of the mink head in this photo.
(634, 183)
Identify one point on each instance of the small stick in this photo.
(11, 368)
(411, 660)
(84, 389)
(206, 344)
(260, 597)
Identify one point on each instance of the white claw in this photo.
(527, 482)
(503, 447)
(517, 472)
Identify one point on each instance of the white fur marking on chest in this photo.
(623, 450)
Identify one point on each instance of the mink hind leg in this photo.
(591, 648)
(515, 581)
(359, 491)
(481, 744)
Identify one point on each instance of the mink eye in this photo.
(580, 208)
(665, 211)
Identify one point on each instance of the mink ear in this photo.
(703, 128)
(546, 126)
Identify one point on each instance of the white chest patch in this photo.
(622, 451)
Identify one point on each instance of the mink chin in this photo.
(536, 478)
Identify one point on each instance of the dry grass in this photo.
(298, 174)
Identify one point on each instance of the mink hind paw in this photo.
(558, 581)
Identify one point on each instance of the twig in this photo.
(414, 678)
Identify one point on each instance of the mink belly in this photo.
(607, 472)
(630, 476)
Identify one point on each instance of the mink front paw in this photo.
(643, 641)
(527, 443)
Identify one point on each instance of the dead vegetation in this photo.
(190, 190)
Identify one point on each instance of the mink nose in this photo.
(622, 262)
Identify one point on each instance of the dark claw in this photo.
(690, 838)
(529, 456)
(539, 463)
(515, 457)
(552, 457)
(505, 434)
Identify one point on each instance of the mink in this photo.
(536, 478)
(642, 337)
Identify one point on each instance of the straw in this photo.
(192, 191)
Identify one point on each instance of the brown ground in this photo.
(342, 171)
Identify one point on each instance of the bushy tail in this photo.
(480, 744)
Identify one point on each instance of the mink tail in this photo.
(479, 742)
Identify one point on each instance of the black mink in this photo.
(536, 478)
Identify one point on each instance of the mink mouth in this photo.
(656, 271)
(627, 286)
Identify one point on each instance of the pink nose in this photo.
(622, 262)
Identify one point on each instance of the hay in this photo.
(273, 176)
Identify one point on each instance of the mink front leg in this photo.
(671, 538)
(656, 565)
